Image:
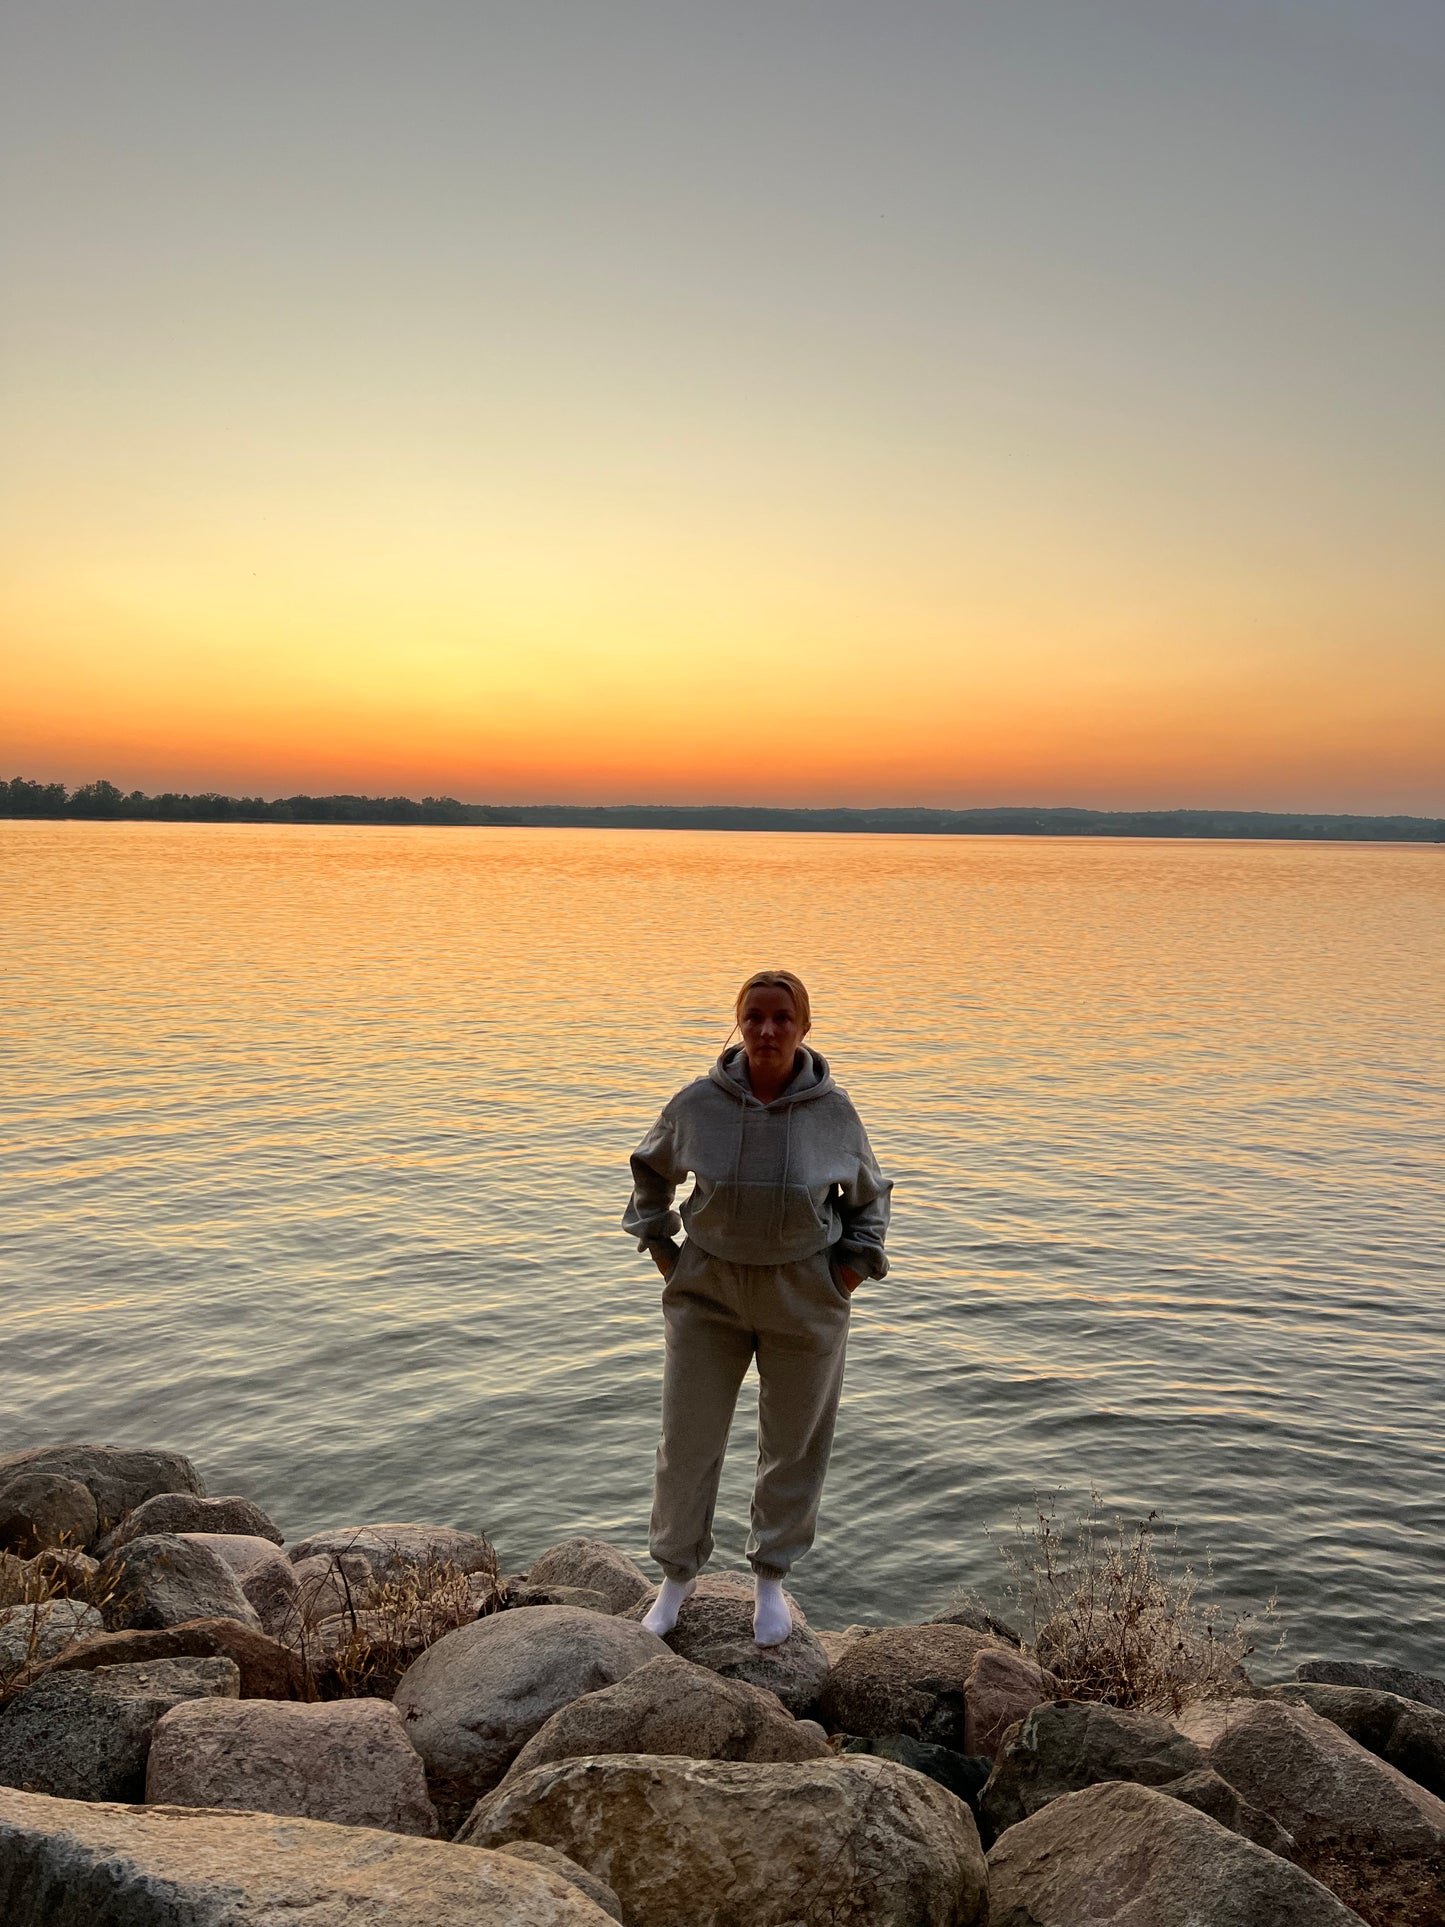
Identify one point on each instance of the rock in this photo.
(970, 1613)
(63, 1864)
(349, 1762)
(670, 1706)
(583, 1597)
(1001, 1688)
(14, 1578)
(267, 1669)
(61, 1572)
(40, 1509)
(1384, 1679)
(38, 1632)
(328, 1584)
(834, 1645)
(715, 1629)
(965, 1778)
(385, 1548)
(1205, 1790)
(597, 1891)
(1122, 1855)
(1372, 1836)
(593, 1564)
(185, 1512)
(905, 1679)
(85, 1735)
(854, 1842)
(1406, 1733)
(262, 1571)
(118, 1477)
(162, 1580)
(1061, 1748)
(474, 1699)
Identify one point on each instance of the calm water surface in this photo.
(313, 1144)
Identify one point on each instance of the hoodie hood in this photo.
(811, 1079)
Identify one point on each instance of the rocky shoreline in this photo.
(201, 1724)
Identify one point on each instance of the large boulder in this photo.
(267, 1669)
(262, 1571)
(185, 1512)
(1206, 1790)
(1369, 1834)
(63, 1864)
(85, 1735)
(964, 1777)
(119, 1478)
(906, 1679)
(854, 1842)
(1383, 1679)
(715, 1629)
(40, 1509)
(597, 1891)
(1121, 1855)
(1404, 1732)
(163, 1579)
(349, 1761)
(1002, 1686)
(671, 1706)
(1059, 1749)
(474, 1699)
(595, 1566)
(386, 1549)
(331, 1583)
(29, 1634)
(969, 1612)
(61, 1572)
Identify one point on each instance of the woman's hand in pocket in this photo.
(848, 1278)
(665, 1257)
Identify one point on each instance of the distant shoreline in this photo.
(101, 801)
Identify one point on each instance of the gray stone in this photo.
(1059, 1749)
(267, 1669)
(595, 1565)
(162, 1580)
(64, 1864)
(1205, 1790)
(185, 1512)
(40, 1631)
(906, 1679)
(62, 1572)
(85, 1735)
(854, 1842)
(386, 1548)
(715, 1629)
(968, 1612)
(597, 1891)
(348, 1761)
(1372, 1836)
(1384, 1679)
(332, 1583)
(965, 1777)
(119, 1478)
(583, 1597)
(1123, 1855)
(474, 1699)
(40, 1509)
(262, 1571)
(670, 1706)
(1406, 1733)
(14, 1576)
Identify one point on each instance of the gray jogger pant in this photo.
(794, 1319)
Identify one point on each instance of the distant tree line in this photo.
(22, 796)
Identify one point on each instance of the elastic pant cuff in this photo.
(679, 1575)
(765, 1571)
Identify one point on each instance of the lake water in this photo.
(313, 1144)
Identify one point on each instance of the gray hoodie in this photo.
(773, 1183)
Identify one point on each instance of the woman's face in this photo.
(771, 1031)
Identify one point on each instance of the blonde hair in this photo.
(777, 980)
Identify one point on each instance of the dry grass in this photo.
(1114, 1615)
(384, 1622)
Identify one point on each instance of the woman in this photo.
(786, 1217)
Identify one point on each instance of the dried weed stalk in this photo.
(27, 1588)
(1113, 1614)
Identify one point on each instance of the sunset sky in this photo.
(1027, 402)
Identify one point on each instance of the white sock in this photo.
(661, 1615)
(772, 1622)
